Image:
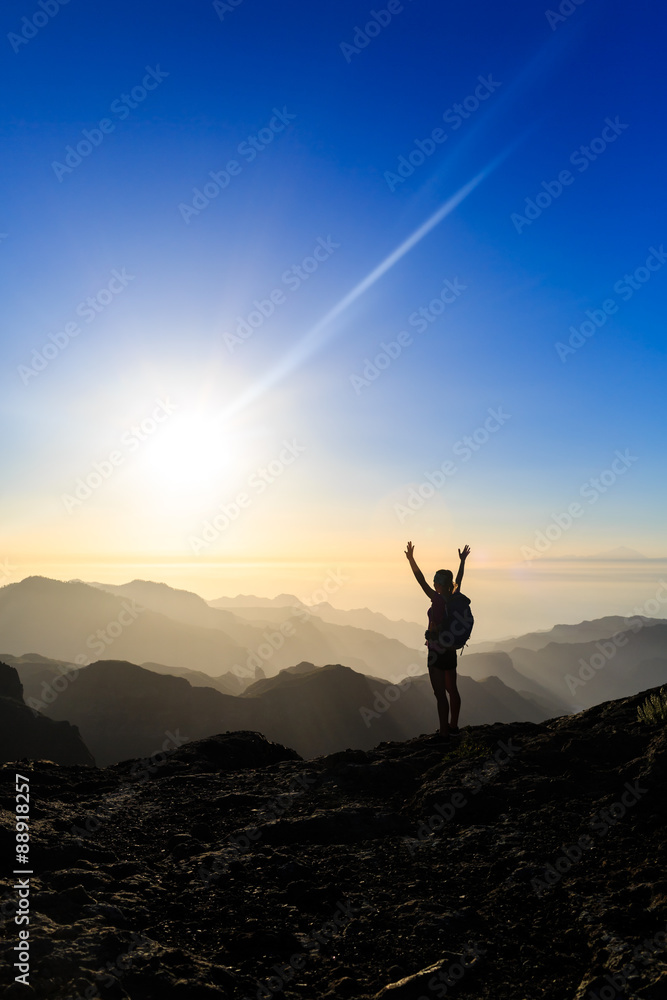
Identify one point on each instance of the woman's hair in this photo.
(445, 578)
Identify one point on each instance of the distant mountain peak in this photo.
(620, 552)
(42, 584)
(251, 601)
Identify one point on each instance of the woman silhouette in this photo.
(441, 660)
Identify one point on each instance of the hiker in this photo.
(441, 659)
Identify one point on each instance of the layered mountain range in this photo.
(123, 710)
(144, 621)
(172, 662)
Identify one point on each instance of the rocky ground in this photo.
(519, 862)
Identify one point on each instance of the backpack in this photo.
(455, 630)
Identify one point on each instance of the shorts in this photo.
(442, 659)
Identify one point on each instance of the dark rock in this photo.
(233, 752)
(202, 831)
(10, 683)
(25, 733)
(355, 876)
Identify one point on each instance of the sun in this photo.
(192, 455)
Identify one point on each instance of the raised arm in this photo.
(463, 555)
(419, 576)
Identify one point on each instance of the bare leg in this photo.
(440, 691)
(454, 696)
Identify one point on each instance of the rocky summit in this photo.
(517, 861)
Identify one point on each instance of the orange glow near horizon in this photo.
(506, 601)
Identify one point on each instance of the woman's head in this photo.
(443, 581)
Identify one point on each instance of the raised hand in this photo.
(410, 551)
(463, 554)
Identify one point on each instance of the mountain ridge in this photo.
(124, 710)
(26, 734)
(70, 620)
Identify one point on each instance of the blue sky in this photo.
(344, 121)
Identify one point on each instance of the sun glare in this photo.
(191, 455)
